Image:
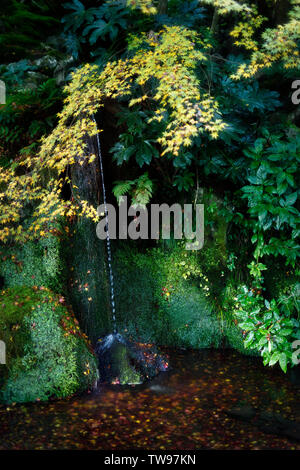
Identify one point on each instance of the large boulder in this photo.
(47, 354)
(127, 362)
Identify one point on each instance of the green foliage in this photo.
(24, 25)
(184, 181)
(269, 327)
(137, 141)
(234, 337)
(271, 324)
(16, 304)
(191, 321)
(273, 194)
(182, 90)
(249, 96)
(139, 189)
(29, 113)
(280, 279)
(184, 13)
(93, 24)
(47, 354)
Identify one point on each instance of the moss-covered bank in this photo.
(47, 355)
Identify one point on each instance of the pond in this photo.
(210, 399)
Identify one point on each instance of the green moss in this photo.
(190, 320)
(47, 355)
(163, 297)
(125, 371)
(15, 304)
(34, 263)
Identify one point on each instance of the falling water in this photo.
(111, 277)
(142, 361)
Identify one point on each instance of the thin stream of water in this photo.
(108, 245)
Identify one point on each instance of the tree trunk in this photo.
(86, 256)
(162, 7)
(280, 12)
(215, 22)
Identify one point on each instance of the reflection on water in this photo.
(209, 400)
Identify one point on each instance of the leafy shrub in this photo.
(47, 355)
(272, 196)
(269, 327)
(271, 324)
(280, 279)
(233, 334)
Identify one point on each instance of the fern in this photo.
(121, 188)
(140, 190)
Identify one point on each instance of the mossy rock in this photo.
(160, 299)
(115, 364)
(128, 362)
(47, 354)
(33, 263)
(189, 321)
(121, 371)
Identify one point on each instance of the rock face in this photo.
(126, 363)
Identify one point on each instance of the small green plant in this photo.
(139, 189)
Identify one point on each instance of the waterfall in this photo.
(140, 361)
(108, 244)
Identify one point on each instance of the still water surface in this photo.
(209, 400)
